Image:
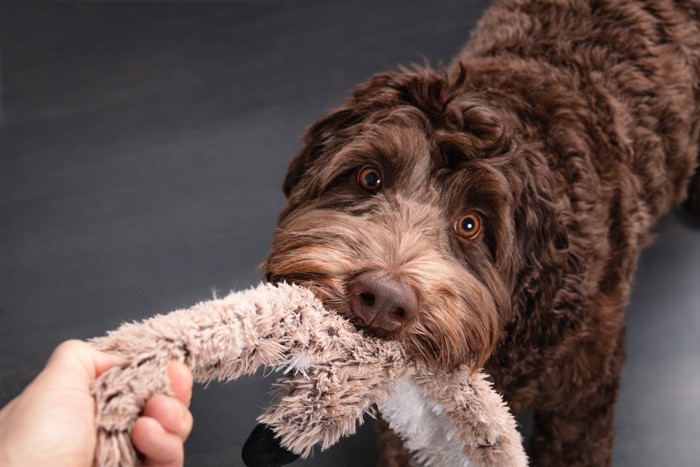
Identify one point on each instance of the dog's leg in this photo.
(391, 450)
(580, 431)
(692, 203)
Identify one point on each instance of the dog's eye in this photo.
(369, 178)
(469, 225)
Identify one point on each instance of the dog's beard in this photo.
(457, 321)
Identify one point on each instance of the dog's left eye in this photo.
(369, 178)
(469, 225)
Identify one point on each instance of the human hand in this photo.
(52, 422)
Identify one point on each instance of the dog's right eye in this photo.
(369, 178)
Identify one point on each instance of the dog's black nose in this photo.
(383, 300)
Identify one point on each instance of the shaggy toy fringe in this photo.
(337, 376)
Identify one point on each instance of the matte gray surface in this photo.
(142, 147)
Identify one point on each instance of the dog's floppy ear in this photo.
(420, 87)
(315, 140)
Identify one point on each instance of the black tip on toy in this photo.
(262, 449)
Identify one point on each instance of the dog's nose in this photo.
(383, 300)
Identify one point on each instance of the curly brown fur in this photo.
(571, 126)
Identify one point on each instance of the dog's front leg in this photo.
(391, 450)
(579, 431)
(692, 202)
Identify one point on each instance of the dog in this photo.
(492, 212)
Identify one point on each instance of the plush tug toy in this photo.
(334, 375)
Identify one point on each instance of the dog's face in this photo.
(400, 216)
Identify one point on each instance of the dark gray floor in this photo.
(142, 147)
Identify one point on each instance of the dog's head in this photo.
(407, 211)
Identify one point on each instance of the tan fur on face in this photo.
(331, 230)
(324, 249)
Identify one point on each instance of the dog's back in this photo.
(611, 86)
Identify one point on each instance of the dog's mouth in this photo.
(301, 279)
(324, 289)
(316, 282)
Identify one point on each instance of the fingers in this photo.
(172, 415)
(159, 447)
(166, 423)
(161, 432)
(181, 382)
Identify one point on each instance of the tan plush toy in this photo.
(334, 375)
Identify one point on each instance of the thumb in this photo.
(78, 360)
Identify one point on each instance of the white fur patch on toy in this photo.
(334, 375)
(423, 427)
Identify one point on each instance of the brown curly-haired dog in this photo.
(493, 213)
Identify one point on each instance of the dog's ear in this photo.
(416, 86)
(550, 258)
(315, 141)
(380, 91)
(386, 89)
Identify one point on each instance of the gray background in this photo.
(142, 147)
